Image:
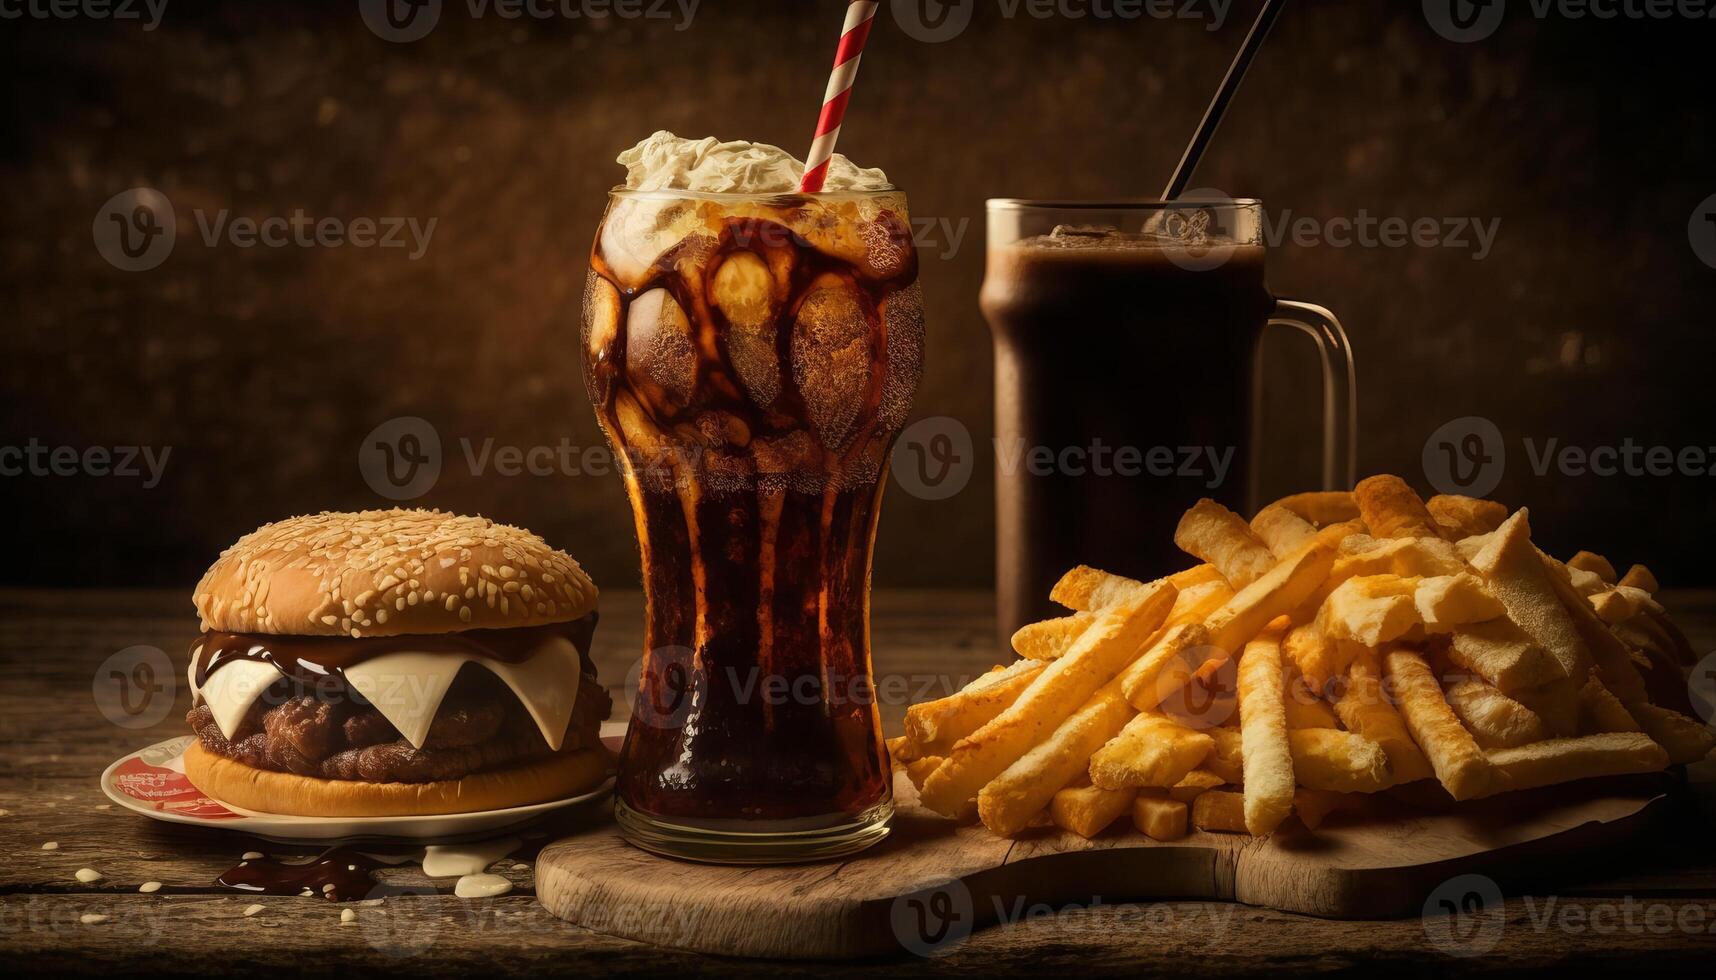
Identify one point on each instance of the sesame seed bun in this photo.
(390, 573)
(556, 777)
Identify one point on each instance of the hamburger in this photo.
(391, 663)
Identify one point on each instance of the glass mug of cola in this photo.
(751, 358)
(1127, 344)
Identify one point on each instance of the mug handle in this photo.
(1340, 394)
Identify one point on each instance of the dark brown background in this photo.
(264, 368)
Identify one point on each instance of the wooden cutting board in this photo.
(930, 882)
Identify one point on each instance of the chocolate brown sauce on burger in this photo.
(323, 659)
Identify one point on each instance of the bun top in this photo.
(390, 573)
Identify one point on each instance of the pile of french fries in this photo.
(1336, 646)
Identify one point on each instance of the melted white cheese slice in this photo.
(233, 688)
(407, 687)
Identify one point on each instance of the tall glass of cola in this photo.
(751, 358)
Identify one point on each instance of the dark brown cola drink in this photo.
(752, 359)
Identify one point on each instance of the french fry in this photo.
(1600, 711)
(1088, 810)
(1448, 601)
(1369, 609)
(1150, 751)
(1313, 806)
(1304, 711)
(1195, 576)
(1495, 720)
(1501, 653)
(1283, 531)
(935, 725)
(1267, 761)
(1024, 788)
(1220, 811)
(1562, 760)
(1594, 563)
(1340, 762)
(1227, 762)
(919, 769)
(1391, 509)
(1361, 554)
(1463, 517)
(1284, 587)
(1159, 819)
(1517, 576)
(1086, 589)
(1196, 783)
(1051, 637)
(1366, 710)
(1165, 667)
(1321, 508)
(1621, 603)
(1639, 577)
(1220, 537)
(1556, 703)
(1609, 654)
(1459, 763)
(1197, 602)
(1317, 656)
(904, 750)
(1685, 740)
(1059, 689)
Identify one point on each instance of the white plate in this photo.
(152, 782)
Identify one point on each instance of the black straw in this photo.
(1224, 95)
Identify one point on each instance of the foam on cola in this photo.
(752, 359)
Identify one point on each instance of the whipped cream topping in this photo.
(668, 162)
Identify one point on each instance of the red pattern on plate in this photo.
(167, 790)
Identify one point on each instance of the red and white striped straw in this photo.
(860, 15)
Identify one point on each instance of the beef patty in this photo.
(335, 734)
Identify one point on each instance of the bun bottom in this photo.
(544, 780)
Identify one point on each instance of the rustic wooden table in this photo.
(1653, 907)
